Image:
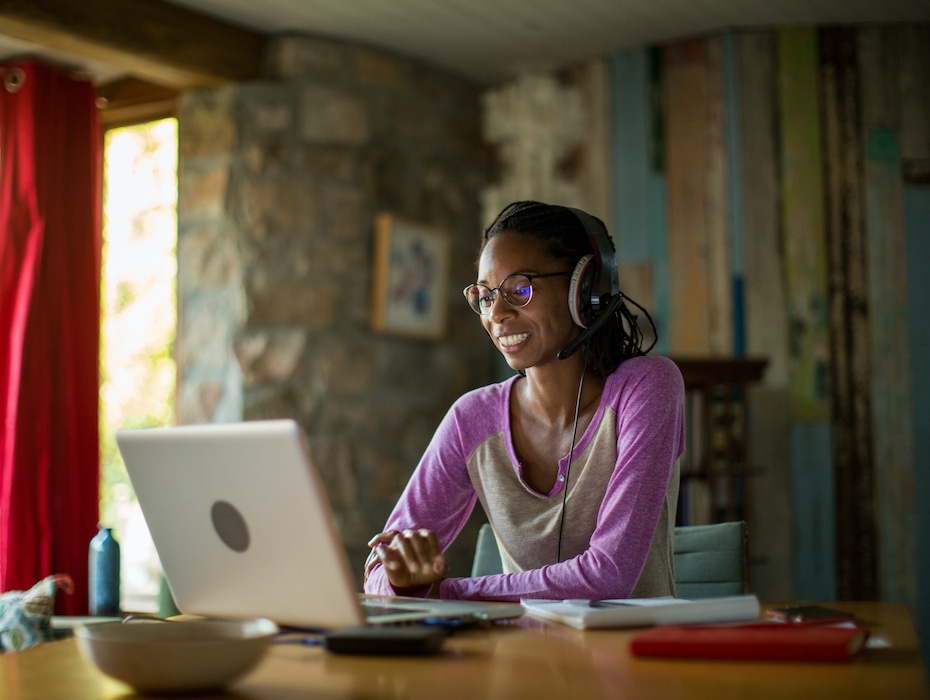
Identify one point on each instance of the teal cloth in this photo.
(25, 616)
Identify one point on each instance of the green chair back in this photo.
(710, 560)
(487, 559)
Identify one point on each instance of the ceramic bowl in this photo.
(175, 657)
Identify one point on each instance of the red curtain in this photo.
(50, 223)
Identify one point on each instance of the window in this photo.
(139, 319)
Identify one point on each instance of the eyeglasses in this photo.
(517, 290)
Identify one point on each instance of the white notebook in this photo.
(644, 612)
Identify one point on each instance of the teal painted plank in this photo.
(734, 153)
(658, 223)
(891, 374)
(631, 155)
(639, 185)
(814, 511)
(917, 223)
(733, 121)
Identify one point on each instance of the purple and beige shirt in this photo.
(620, 508)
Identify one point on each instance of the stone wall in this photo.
(279, 184)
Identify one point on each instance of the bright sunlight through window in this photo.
(138, 328)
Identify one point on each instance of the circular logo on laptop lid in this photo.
(230, 526)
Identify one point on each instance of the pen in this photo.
(610, 604)
(599, 603)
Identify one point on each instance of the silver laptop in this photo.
(243, 528)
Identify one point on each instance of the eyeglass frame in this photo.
(495, 292)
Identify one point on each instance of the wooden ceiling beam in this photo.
(128, 101)
(161, 43)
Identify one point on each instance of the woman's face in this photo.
(531, 335)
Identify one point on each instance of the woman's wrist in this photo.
(419, 591)
(435, 589)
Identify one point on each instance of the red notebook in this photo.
(755, 641)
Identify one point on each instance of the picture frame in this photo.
(410, 278)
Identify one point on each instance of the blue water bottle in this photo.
(103, 573)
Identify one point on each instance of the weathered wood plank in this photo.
(803, 222)
(638, 187)
(804, 254)
(771, 560)
(914, 43)
(766, 307)
(814, 507)
(631, 157)
(879, 63)
(719, 272)
(850, 359)
(891, 377)
(734, 155)
(686, 160)
(657, 199)
(917, 216)
(594, 174)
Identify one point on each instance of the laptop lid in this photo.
(243, 528)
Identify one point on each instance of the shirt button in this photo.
(561, 477)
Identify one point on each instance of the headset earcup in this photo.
(579, 291)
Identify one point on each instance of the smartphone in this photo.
(385, 640)
(810, 615)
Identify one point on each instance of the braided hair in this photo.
(563, 236)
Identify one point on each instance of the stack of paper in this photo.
(643, 612)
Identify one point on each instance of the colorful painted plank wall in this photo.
(795, 167)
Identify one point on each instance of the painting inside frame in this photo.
(411, 269)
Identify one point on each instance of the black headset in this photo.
(594, 290)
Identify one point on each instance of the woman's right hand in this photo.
(411, 558)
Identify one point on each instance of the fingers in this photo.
(382, 538)
(379, 552)
(370, 563)
(411, 557)
(413, 546)
(421, 552)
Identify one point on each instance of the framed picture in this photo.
(411, 270)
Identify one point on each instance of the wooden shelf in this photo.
(715, 464)
(708, 371)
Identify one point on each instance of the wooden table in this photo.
(521, 659)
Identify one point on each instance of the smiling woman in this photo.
(138, 329)
(573, 459)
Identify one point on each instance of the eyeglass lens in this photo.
(517, 291)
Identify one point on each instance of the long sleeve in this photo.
(619, 507)
(440, 495)
(648, 401)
